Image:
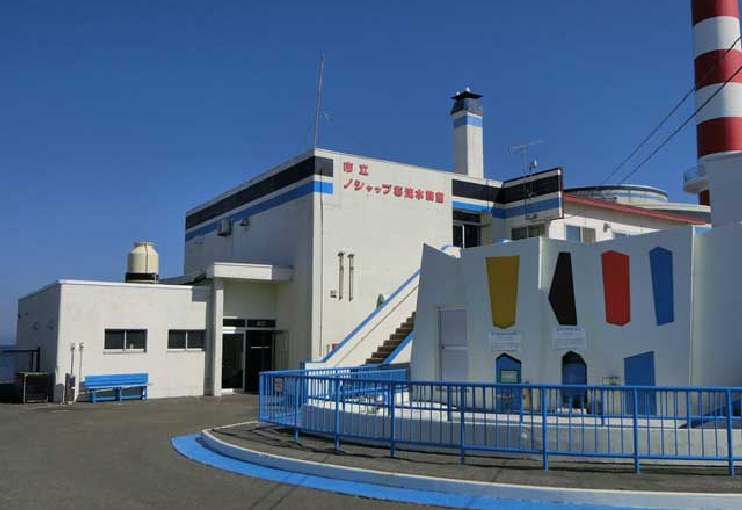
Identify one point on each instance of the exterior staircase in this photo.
(396, 338)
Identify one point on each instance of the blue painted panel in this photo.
(574, 373)
(508, 400)
(639, 371)
(660, 261)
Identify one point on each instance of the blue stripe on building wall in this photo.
(278, 200)
(464, 206)
(660, 261)
(468, 120)
(510, 212)
(534, 207)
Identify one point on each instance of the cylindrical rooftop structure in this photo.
(142, 264)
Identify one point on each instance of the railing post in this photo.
(448, 405)
(603, 404)
(637, 468)
(296, 410)
(261, 398)
(392, 413)
(730, 443)
(544, 432)
(337, 415)
(462, 403)
(522, 391)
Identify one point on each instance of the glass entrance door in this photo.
(233, 359)
(258, 357)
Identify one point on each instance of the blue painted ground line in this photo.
(190, 447)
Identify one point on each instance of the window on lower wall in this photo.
(125, 340)
(186, 339)
(530, 231)
(580, 234)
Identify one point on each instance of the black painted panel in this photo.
(562, 293)
(314, 165)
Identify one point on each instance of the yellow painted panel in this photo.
(502, 276)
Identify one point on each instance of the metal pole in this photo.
(544, 432)
(337, 415)
(462, 425)
(319, 99)
(637, 468)
(296, 410)
(730, 444)
(392, 416)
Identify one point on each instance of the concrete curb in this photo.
(608, 498)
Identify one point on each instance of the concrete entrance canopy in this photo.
(250, 272)
(219, 273)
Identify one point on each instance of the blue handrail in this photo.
(375, 312)
(632, 423)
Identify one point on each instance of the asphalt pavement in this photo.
(118, 456)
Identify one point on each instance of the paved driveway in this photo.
(118, 455)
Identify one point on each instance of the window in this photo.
(580, 234)
(467, 229)
(186, 339)
(529, 231)
(125, 340)
(618, 235)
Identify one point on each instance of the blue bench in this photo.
(117, 383)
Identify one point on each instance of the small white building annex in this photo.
(316, 261)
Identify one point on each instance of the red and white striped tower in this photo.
(719, 123)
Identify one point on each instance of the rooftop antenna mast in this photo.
(523, 149)
(319, 98)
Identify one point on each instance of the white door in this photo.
(454, 345)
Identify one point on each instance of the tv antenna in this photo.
(528, 166)
(319, 98)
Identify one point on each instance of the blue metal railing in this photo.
(615, 422)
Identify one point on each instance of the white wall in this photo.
(385, 233)
(250, 300)
(717, 318)
(481, 357)
(725, 179)
(607, 345)
(592, 217)
(441, 286)
(88, 309)
(282, 235)
(38, 327)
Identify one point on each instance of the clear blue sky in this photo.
(116, 117)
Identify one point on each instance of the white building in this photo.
(322, 251)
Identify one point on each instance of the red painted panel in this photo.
(717, 67)
(704, 9)
(719, 135)
(616, 289)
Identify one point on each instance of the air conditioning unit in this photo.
(245, 222)
(531, 216)
(224, 228)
